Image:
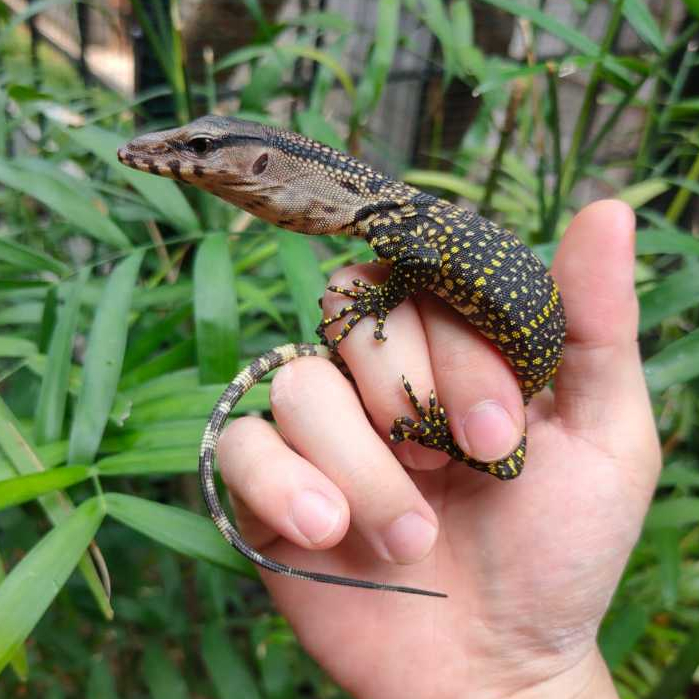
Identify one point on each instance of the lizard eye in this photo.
(200, 145)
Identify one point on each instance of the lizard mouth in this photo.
(156, 165)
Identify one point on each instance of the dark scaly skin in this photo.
(483, 271)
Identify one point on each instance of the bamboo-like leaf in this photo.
(19, 662)
(53, 394)
(15, 491)
(162, 676)
(565, 32)
(381, 58)
(675, 293)
(197, 403)
(101, 684)
(636, 195)
(227, 669)
(33, 583)
(619, 635)
(678, 676)
(103, 359)
(23, 257)
(182, 459)
(654, 241)
(641, 19)
(676, 363)
(215, 311)
(11, 346)
(176, 357)
(185, 532)
(68, 202)
(162, 194)
(674, 512)
(306, 281)
(57, 506)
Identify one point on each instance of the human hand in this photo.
(529, 565)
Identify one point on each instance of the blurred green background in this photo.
(127, 303)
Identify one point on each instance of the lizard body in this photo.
(483, 271)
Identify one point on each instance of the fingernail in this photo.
(314, 515)
(489, 431)
(409, 538)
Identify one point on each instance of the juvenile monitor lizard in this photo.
(483, 271)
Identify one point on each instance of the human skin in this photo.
(529, 565)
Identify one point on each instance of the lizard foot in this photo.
(368, 300)
(431, 430)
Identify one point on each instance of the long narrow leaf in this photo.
(15, 491)
(19, 661)
(182, 531)
(66, 201)
(677, 362)
(33, 583)
(305, 280)
(227, 669)
(103, 359)
(54, 385)
(215, 311)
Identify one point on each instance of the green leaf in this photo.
(33, 583)
(676, 363)
(314, 125)
(21, 489)
(185, 532)
(636, 195)
(619, 635)
(215, 310)
(103, 359)
(675, 293)
(678, 676)
(227, 669)
(641, 19)
(679, 474)
(306, 281)
(53, 394)
(180, 459)
(58, 507)
(674, 512)
(322, 20)
(692, 6)
(19, 659)
(11, 346)
(100, 684)
(162, 194)
(32, 260)
(178, 356)
(69, 202)
(162, 676)
(565, 32)
(380, 60)
(196, 403)
(655, 241)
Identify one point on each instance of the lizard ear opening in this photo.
(260, 165)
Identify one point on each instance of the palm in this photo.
(508, 554)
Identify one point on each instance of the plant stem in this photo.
(505, 136)
(589, 98)
(679, 203)
(552, 118)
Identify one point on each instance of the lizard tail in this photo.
(240, 385)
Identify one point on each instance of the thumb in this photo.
(600, 380)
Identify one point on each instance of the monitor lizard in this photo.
(483, 271)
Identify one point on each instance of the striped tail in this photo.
(240, 385)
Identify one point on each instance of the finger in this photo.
(474, 383)
(600, 380)
(318, 411)
(276, 491)
(377, 367)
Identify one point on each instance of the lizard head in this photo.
(277, 175)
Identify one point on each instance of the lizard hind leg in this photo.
(431, 430)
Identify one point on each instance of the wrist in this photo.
(588, 679)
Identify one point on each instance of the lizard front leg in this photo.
(413, 266)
